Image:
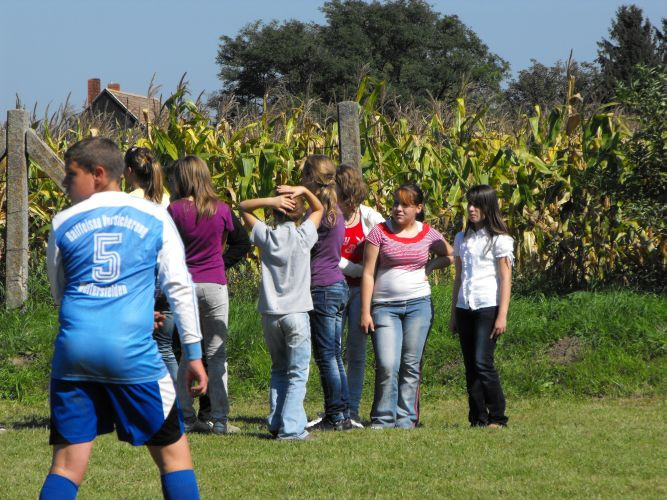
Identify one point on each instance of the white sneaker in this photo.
(315, 421)
(355, 422)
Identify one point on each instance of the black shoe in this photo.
(327, 425)
(347, 425)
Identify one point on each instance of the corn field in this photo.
(570, 230)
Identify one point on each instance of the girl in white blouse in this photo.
(484, 257)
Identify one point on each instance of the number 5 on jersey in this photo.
(109, 268)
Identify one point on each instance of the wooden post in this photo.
(16, 243)
(45, 158)
(348, 133)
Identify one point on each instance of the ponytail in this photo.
(319, 175)
(147, 171)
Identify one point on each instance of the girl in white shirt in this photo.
(484, 257)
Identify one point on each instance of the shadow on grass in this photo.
(248, 419)
(259, 435)
(30, 422)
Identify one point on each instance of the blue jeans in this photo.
(355, 353)
(326, 326)
(288, 339)
(164, 337)
(213, 304)
(401, 329)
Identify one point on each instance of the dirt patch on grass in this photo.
(23, 359)
(566, 350)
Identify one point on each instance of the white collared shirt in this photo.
(479, 254)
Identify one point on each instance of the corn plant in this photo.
(551, 171)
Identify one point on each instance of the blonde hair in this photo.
(147, 171)
(319, 175)
(189, 177)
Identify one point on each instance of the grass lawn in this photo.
(554, 447)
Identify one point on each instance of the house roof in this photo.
(134, 104)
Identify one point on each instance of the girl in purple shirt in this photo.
(203, 222)
(329, 292)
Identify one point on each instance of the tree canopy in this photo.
(546, 86)
(632, 41)
(419, 52)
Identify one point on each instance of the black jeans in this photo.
(485, 395)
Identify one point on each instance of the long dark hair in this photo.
(484, 197)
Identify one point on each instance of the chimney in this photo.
(93, 89)
(113, 86)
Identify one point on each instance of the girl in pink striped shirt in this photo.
(396, 305)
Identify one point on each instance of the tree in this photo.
(645, 96)
(547, 86)
(261, 57)
(633, 41)
(419, 53)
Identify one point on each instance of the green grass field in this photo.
(584, 376)
(553, 448)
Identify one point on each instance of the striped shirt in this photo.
(401, 274)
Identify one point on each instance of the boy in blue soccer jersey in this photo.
(103, 256)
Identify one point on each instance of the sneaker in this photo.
(495, 426)
(327, 425)
(355, 421)
(308, 437)
(377, 427)
(219, 427)
(232, 429)
(315, 421)
(195, 425)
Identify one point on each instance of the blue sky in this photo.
(50, 48)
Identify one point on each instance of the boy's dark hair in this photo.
(484, 197)
(94, 151)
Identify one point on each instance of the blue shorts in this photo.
(141, 413)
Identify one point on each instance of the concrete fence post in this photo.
(16, 242)
(348, 133)
(3, 144)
